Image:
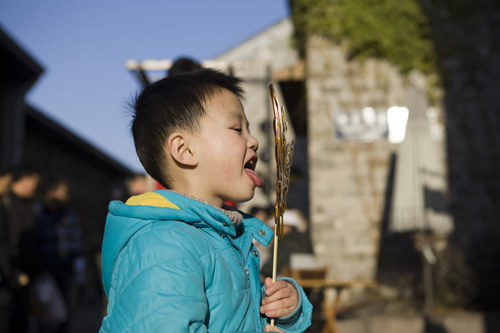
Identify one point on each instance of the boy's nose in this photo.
(253, 143)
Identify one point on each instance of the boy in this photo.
(179, 260)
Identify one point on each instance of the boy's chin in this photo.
(248, 199)
(244, 198)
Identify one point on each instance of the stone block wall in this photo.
(347, 178)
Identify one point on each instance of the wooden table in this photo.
(330, 310)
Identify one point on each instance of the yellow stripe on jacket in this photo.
(150, 199)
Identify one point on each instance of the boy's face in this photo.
(226, 152)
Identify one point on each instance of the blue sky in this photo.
(83, 46)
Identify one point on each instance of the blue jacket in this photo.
(174, 264)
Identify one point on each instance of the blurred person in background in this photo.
(5, 181)
(295, 240)
(20, 223)
(5, 293)
(183, 65)
(59, 236)
(137, 184)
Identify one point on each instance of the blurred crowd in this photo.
(42, 266)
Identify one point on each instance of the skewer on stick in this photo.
(283, 154)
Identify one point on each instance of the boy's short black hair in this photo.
(173, 103)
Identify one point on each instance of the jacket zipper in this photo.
(243, 257)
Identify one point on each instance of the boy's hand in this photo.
(281, 300)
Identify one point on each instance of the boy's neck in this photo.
(213, 201)
(233, 214)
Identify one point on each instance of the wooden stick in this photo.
(275, 258)
(275, 262)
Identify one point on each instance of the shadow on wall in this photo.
(399, 263)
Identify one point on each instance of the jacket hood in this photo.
(126, 219)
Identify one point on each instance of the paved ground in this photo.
(465, 322)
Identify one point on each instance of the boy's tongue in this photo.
(254, 177)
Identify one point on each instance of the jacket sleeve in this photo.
(300, 319)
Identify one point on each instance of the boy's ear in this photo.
(181, 152)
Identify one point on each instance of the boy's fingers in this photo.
(279, 294)
(278, 313)
(268, 329)
(281, 304)
(275, 286)
(268, 282)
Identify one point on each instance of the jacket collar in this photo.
(217, 219)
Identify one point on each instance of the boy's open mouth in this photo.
(250, 170)
(252, 163)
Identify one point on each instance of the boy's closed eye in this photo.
(238, 129)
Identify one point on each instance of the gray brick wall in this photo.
(347, 178)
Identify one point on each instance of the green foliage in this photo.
(395, 30)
